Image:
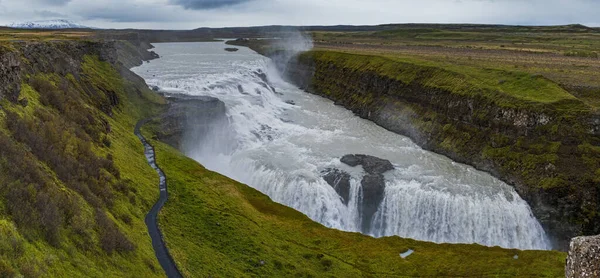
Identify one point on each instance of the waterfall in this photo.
(279, 140)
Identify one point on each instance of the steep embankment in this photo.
(74, 183)
(522, 128)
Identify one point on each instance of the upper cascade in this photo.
(48, 24)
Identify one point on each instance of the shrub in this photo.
(6, 270)
(49, 94)
(111, 239)
(581, 53)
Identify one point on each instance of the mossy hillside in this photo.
(216, 226)
(535, 141)
(58, 218)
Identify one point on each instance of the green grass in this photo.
(505, 88)
(217, 227)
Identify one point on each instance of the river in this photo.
(279, 139)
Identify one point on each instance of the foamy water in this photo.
(278, 138)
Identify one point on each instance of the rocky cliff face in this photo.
(548, 155)
(10, 74)
(584, 257)
(188, 119)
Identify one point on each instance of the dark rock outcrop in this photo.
(340, 181)
(10, 75)
(372, 165)
(584, 257)
(372, 184)
(134, 53)
(57, 57)
(373, 190)
(188, 114)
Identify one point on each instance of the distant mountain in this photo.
(48, 24)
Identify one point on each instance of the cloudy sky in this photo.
(189, 14)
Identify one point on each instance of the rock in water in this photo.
(231, 49)
(373, 189)
(340, 181)
(372, 165)
(584, 257)
(372, 185)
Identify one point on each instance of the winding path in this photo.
(160, 249)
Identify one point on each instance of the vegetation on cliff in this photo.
(74, 184)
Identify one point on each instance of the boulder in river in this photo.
(373, 191)
(340, 181)
(372, 165)
(372, 184)
(584, 257)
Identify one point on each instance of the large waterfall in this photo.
(279, 140)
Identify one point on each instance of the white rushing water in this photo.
(279, 139)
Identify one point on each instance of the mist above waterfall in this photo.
(288, 45)
(279, 140)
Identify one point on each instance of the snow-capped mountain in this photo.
(48, 24)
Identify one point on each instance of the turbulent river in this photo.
(278, 139)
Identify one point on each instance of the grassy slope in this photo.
(216, 226)
(27, 253)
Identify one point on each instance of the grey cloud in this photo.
(53, 2)
(49, 14)
(125, 12)
(207, 4)
(190, 14)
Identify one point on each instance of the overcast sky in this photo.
(190, 14)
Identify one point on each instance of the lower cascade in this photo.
(338, 169)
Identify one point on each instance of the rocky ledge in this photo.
(584, 257)
(188, 114)
(372, 184)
